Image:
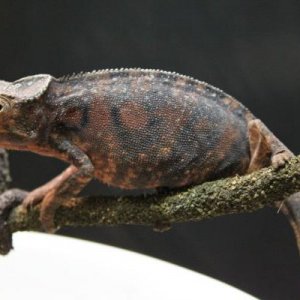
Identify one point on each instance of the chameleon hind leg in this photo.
(265, 148)
(68, 184)
(279, 154)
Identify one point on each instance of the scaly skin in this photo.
(132, 128)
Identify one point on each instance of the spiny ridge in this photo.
(134, 72)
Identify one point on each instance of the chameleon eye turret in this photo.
(27, 88)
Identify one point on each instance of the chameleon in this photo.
(133, 129)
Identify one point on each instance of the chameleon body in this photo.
(132, 128)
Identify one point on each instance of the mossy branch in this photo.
(211, 199)
(232, 195)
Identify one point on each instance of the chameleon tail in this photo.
(291, 209)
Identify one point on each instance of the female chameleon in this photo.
(131, 128)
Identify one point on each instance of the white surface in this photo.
(53, 267)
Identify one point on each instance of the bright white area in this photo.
(52, 267)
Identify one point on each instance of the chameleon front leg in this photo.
(37, 195)
(62, 187)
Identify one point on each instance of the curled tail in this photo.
(291, 209)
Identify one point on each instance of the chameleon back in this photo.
(146, 128)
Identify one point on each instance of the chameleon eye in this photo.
(5, 103)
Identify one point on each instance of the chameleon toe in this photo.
(280, 159)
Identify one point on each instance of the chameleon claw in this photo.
(35, 197)
(30, 201)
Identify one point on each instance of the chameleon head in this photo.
(16, 102)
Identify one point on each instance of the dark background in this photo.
(251, 49)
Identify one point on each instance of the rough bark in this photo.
(211, 199)
(231, 195)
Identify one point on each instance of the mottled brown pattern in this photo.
(133, 116)
(72, 117)
(108, 171)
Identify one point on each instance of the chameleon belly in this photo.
(156, 129)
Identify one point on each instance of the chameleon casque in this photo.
(131, 128)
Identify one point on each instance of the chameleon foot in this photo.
(47, 195)
(279, 159)
(34, 198)
(43, 196)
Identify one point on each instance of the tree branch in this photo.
(231, 195)
(211, 199)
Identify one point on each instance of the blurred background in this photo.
(250, 49)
